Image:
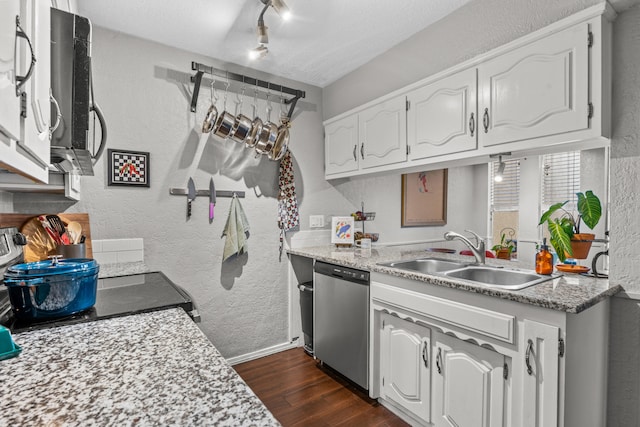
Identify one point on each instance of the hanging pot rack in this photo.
(202, 69)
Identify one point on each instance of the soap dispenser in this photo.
(544, 259)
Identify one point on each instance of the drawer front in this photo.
(493, 324)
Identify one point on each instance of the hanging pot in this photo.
(256, 125)
(212, 114)
(268, 134)
(282, 142)
(242, 124)
(225, 121)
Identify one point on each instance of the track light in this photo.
(499, 175)
(282, 9)
(258, 53)
(263, 35)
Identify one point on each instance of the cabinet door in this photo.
(540, 383)
(36, 18)
(9, 102)
(382, 130)
(468, 384)
(341, 145)
(404, 359)
(537, 90)
(442, 117)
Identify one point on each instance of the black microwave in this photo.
(71, 89)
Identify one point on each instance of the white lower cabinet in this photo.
(468, 384)
(448, 357)
(405, 353)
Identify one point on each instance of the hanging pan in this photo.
(282, 140)
(225, 121)
(243, 124)
(212, 113)
(269, 133)
(256, 126)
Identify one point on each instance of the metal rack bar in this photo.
(202, 69)
(219, 193)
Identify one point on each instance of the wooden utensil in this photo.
(75, 232)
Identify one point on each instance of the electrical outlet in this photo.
(316, 221)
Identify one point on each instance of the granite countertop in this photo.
(148, 369)
(571, 293)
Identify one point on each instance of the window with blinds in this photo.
(560, 179)
(505, 194)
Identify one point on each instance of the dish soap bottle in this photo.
(544, 259)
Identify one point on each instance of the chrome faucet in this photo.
(478, 251)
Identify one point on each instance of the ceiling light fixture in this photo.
(282, 9)
(259, 52)
(498, 177)
(263, 35)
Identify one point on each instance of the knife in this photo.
(191, 195)
(212, 198)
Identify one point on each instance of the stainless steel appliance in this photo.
(72, 89)
(341, 320)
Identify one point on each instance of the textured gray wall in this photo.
(624, 369)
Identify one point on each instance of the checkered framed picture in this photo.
(128, 168)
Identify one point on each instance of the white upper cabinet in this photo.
(36, 139)
(442, 117)
(545, 92)
(537, 90)
(9, 102)
(341, 145)
(373, 137)
(26, 151)
(382, 130)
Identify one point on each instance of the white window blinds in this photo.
(505, 194)
(560, 178)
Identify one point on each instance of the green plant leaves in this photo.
(589, 208)
(545, 216)
(561, 231)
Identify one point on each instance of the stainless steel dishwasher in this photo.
(341, 320)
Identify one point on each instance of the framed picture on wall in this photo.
(424, 198)
(129, 168)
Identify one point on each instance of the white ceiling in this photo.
(324, 40)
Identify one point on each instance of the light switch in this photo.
(316, 221)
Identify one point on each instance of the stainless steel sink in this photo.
(499, 277)
(426, 265)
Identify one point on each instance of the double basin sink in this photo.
(495, 277)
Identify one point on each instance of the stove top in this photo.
(120, 296)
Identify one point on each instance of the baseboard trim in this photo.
(262, 353)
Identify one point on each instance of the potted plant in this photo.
(564, 230)
(504, 248)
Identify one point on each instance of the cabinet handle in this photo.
(355, 156)
(439, 360)
(472, 124)
(526, 357)
(21, 80)
(485, 120)
(362, 151)
(425, 355)
(54, 126)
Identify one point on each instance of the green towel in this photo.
(236, 230)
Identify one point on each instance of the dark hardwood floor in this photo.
(300, 392)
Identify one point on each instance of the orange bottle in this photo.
(544, 259)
